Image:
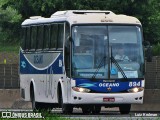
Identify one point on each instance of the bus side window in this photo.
(40, 37)
(33, 37)
(53, 39)
(46, 37)
(28, 39)
(60, 35)
(23, 41)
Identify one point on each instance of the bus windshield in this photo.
(93, 46)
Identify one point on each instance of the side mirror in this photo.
(149, 54)
(148, 51)
(70, 38)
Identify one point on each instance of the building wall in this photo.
(152, 74)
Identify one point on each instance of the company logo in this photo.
(109, 89)
(23, 64)
(108, 84)
(6, 114)
(21, 115)
(87, 85)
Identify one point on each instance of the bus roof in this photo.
(83, 17)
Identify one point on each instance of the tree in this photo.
(9, 20)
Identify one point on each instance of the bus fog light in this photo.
(136, 89)
(80, 89)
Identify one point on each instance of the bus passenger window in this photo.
(60, 35)
(23, 41)
(40, 37)
(46, 37)
(28, 39)
(33, 37)
(53, 33)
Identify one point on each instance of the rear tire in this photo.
(36, 106)
(125, 109)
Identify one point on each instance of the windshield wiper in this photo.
(119, 67)
(99, 66)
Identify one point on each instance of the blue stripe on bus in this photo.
(27, 68)
(110, 87)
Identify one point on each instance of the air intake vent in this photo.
(86, 12)
(35, 17)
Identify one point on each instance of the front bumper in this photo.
(97, 98)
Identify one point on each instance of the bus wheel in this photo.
(66, 109)
(86, 110)
(125, 109)
(35, 105)
(96, 109)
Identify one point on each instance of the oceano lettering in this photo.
(108, 84)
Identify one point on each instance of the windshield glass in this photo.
(92, 47)
(127, 51)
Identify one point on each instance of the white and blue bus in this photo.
(68, 60)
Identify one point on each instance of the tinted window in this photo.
(23, 44)
(33, 37)
(60, 35)
(54, 32)
(46, 36)
(40, 37)
(28, 38)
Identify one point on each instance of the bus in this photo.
(68, 60)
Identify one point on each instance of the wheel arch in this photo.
(62, 87)
(59, 91)
(32, 88)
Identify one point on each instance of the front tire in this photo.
(125, 109)
(66, 108)
(86, 110)
(96, 109)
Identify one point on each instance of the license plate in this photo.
(108, 99)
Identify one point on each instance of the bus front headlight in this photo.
(80, 89)
(135, 90)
